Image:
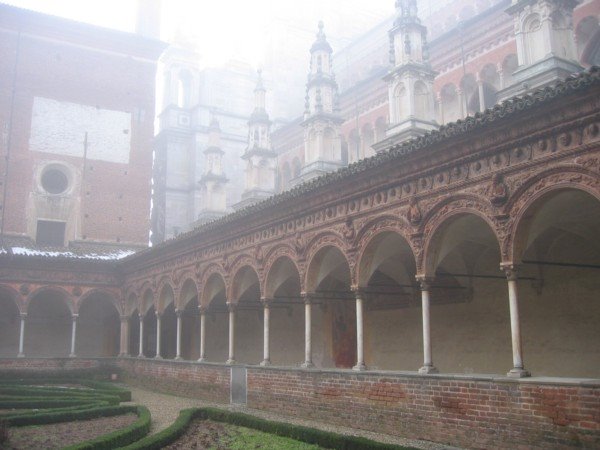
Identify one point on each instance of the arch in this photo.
(532, 29)
(367, 140)
(147, 300)
(282, 250)
(14, 295)
(51, 289)
(245, 281)
(369, 234)
(213, 286)
(98, 324)
(286, 176)
(320, 252)
(187, 291)
(470, 90)
(49, 323)
(557, 178)
(279, 271)
(510, 63)
(399, 102)
(444, 211)
(588, 40)
(111, 295)
(326, 239)
(10, 323)
(184, 88)
(166, 296)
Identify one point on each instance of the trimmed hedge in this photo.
(324, 439)
(47, 417)
(119, 438)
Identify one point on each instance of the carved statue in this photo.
(414, 212)
(499, 191)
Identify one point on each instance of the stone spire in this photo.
(545, 44)
(410, 79)
(213, 180)
(261, 160)
(322, 120)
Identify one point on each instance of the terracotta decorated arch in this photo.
(375, 227)
(114, 298)
(320, 241)
(67, 297)
(165, 285)
(187, 279)
(210, 271)
(146, 292)
(15, 295)
(274, 254)
(438, 216)
(242, 264)
(557, 179)
(131, 302)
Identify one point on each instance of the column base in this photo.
(517, 372)
(428, 369)
(307, 365)
(21, 355)
(72, 355)
(141, 355)
(201, 360)
(265, 362)
(158, 357)
(178, 358)
(123, 355)
(230, 362)
(360, 367)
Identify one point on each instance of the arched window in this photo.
(422, 109)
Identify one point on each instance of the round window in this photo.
(55, 181)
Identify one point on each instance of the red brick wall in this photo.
(474, 413)
(204, 381)
(50, 364)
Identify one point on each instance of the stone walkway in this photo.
(165, 409)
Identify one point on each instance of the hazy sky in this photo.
(227, 29)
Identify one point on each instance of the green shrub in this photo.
(119, 438)
(169, 434)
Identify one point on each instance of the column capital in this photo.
(23, 315)
(231, 306)
(74, 316)
(306, 298)
(141, 317)
(179, 313)
(202, 309)
(510, 270)
(158, 314)
(425, 282)
(266, 302)
(124, 318)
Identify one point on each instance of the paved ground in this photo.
(165, 409)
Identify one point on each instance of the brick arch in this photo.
(146, 288)
(283, 250)
(557, 179)
(131, 305)
(207, 273)
(320, 241)
(67, 297)
(113, 298)
(241, 263)
(436, 218)
(185, 278)
(166, 282)
(375, 227)
(15, 296)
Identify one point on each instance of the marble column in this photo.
(266, 302)
(360, 349)
(428, 366)
(518, 370)
(202, 334)
(141, 354)
(73, 334)
(179, 314)
(21, 353)
(307, 332)
(124, 338)
(231, 307)
(158, 320)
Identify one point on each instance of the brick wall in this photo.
(466, 411)
(204, 381)
(469, 412)
(53, 365)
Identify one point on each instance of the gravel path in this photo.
(165, 409)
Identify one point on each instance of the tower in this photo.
(545, 44)
(213, 180)
(410, 79)
(322, 120)
(261, 160)
(175, 189)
